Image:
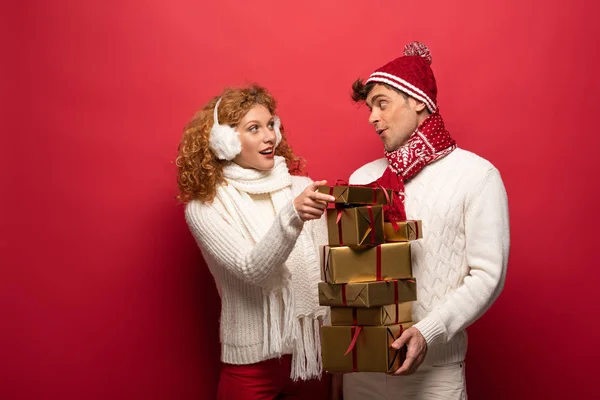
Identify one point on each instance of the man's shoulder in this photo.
(469, 159)
(463, 165)
(369, 172)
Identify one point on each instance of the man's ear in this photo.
(420, 106)
(416, 105)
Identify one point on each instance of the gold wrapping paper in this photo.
(372, 351)
(355, 226)
(357, 194)
(367, 294)
(407, 230)
(375, 316)
(346, 264)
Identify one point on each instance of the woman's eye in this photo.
(271, 125)
(253, 128)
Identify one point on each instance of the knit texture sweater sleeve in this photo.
(317, 227)
(487, 247)
(253, 263)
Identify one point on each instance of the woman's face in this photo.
(258, 139)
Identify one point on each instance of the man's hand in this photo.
(416, 350)
(311, 204)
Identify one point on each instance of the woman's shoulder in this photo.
(299, 183)
(201, 211)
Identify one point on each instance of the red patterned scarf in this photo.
(430, 142)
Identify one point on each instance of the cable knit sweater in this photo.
(242, 269)
(460, 264)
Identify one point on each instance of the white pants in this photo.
(446, 382)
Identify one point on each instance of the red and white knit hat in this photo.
(411, 74)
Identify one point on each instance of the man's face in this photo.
(394, 117)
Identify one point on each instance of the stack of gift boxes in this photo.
(368, 281)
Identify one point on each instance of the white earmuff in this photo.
(277, 128)
(224, 141)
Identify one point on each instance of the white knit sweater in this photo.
(241, 268)
(460, 264)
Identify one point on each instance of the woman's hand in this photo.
(311, 204)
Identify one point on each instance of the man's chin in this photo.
(389, 149)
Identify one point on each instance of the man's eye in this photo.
(382, 104)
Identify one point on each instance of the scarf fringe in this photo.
(306, 356)
(289, 334)
(300, 335)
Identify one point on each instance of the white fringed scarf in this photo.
(291, 311)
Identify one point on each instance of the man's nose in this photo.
(374, 117)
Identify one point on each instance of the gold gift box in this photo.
(372, 351)
(376, 316)
(357, 194)
(367, 294)
(358, 226)
(407, 230)
(385, 261)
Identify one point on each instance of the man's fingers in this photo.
(402, 340)
(406, 366)
(412, 350)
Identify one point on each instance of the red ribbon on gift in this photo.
(354, 332)
(395, 281)
(403, 350)
(385, 193)
(416, 230)
(354, 316)
(339, 224)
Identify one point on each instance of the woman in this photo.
(258, 226)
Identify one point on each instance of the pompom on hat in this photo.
(412, 74)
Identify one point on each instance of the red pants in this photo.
(268, 380)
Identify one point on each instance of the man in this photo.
(460, 264)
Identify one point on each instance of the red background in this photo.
(103, 293)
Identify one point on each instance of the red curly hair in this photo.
(199, 171)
